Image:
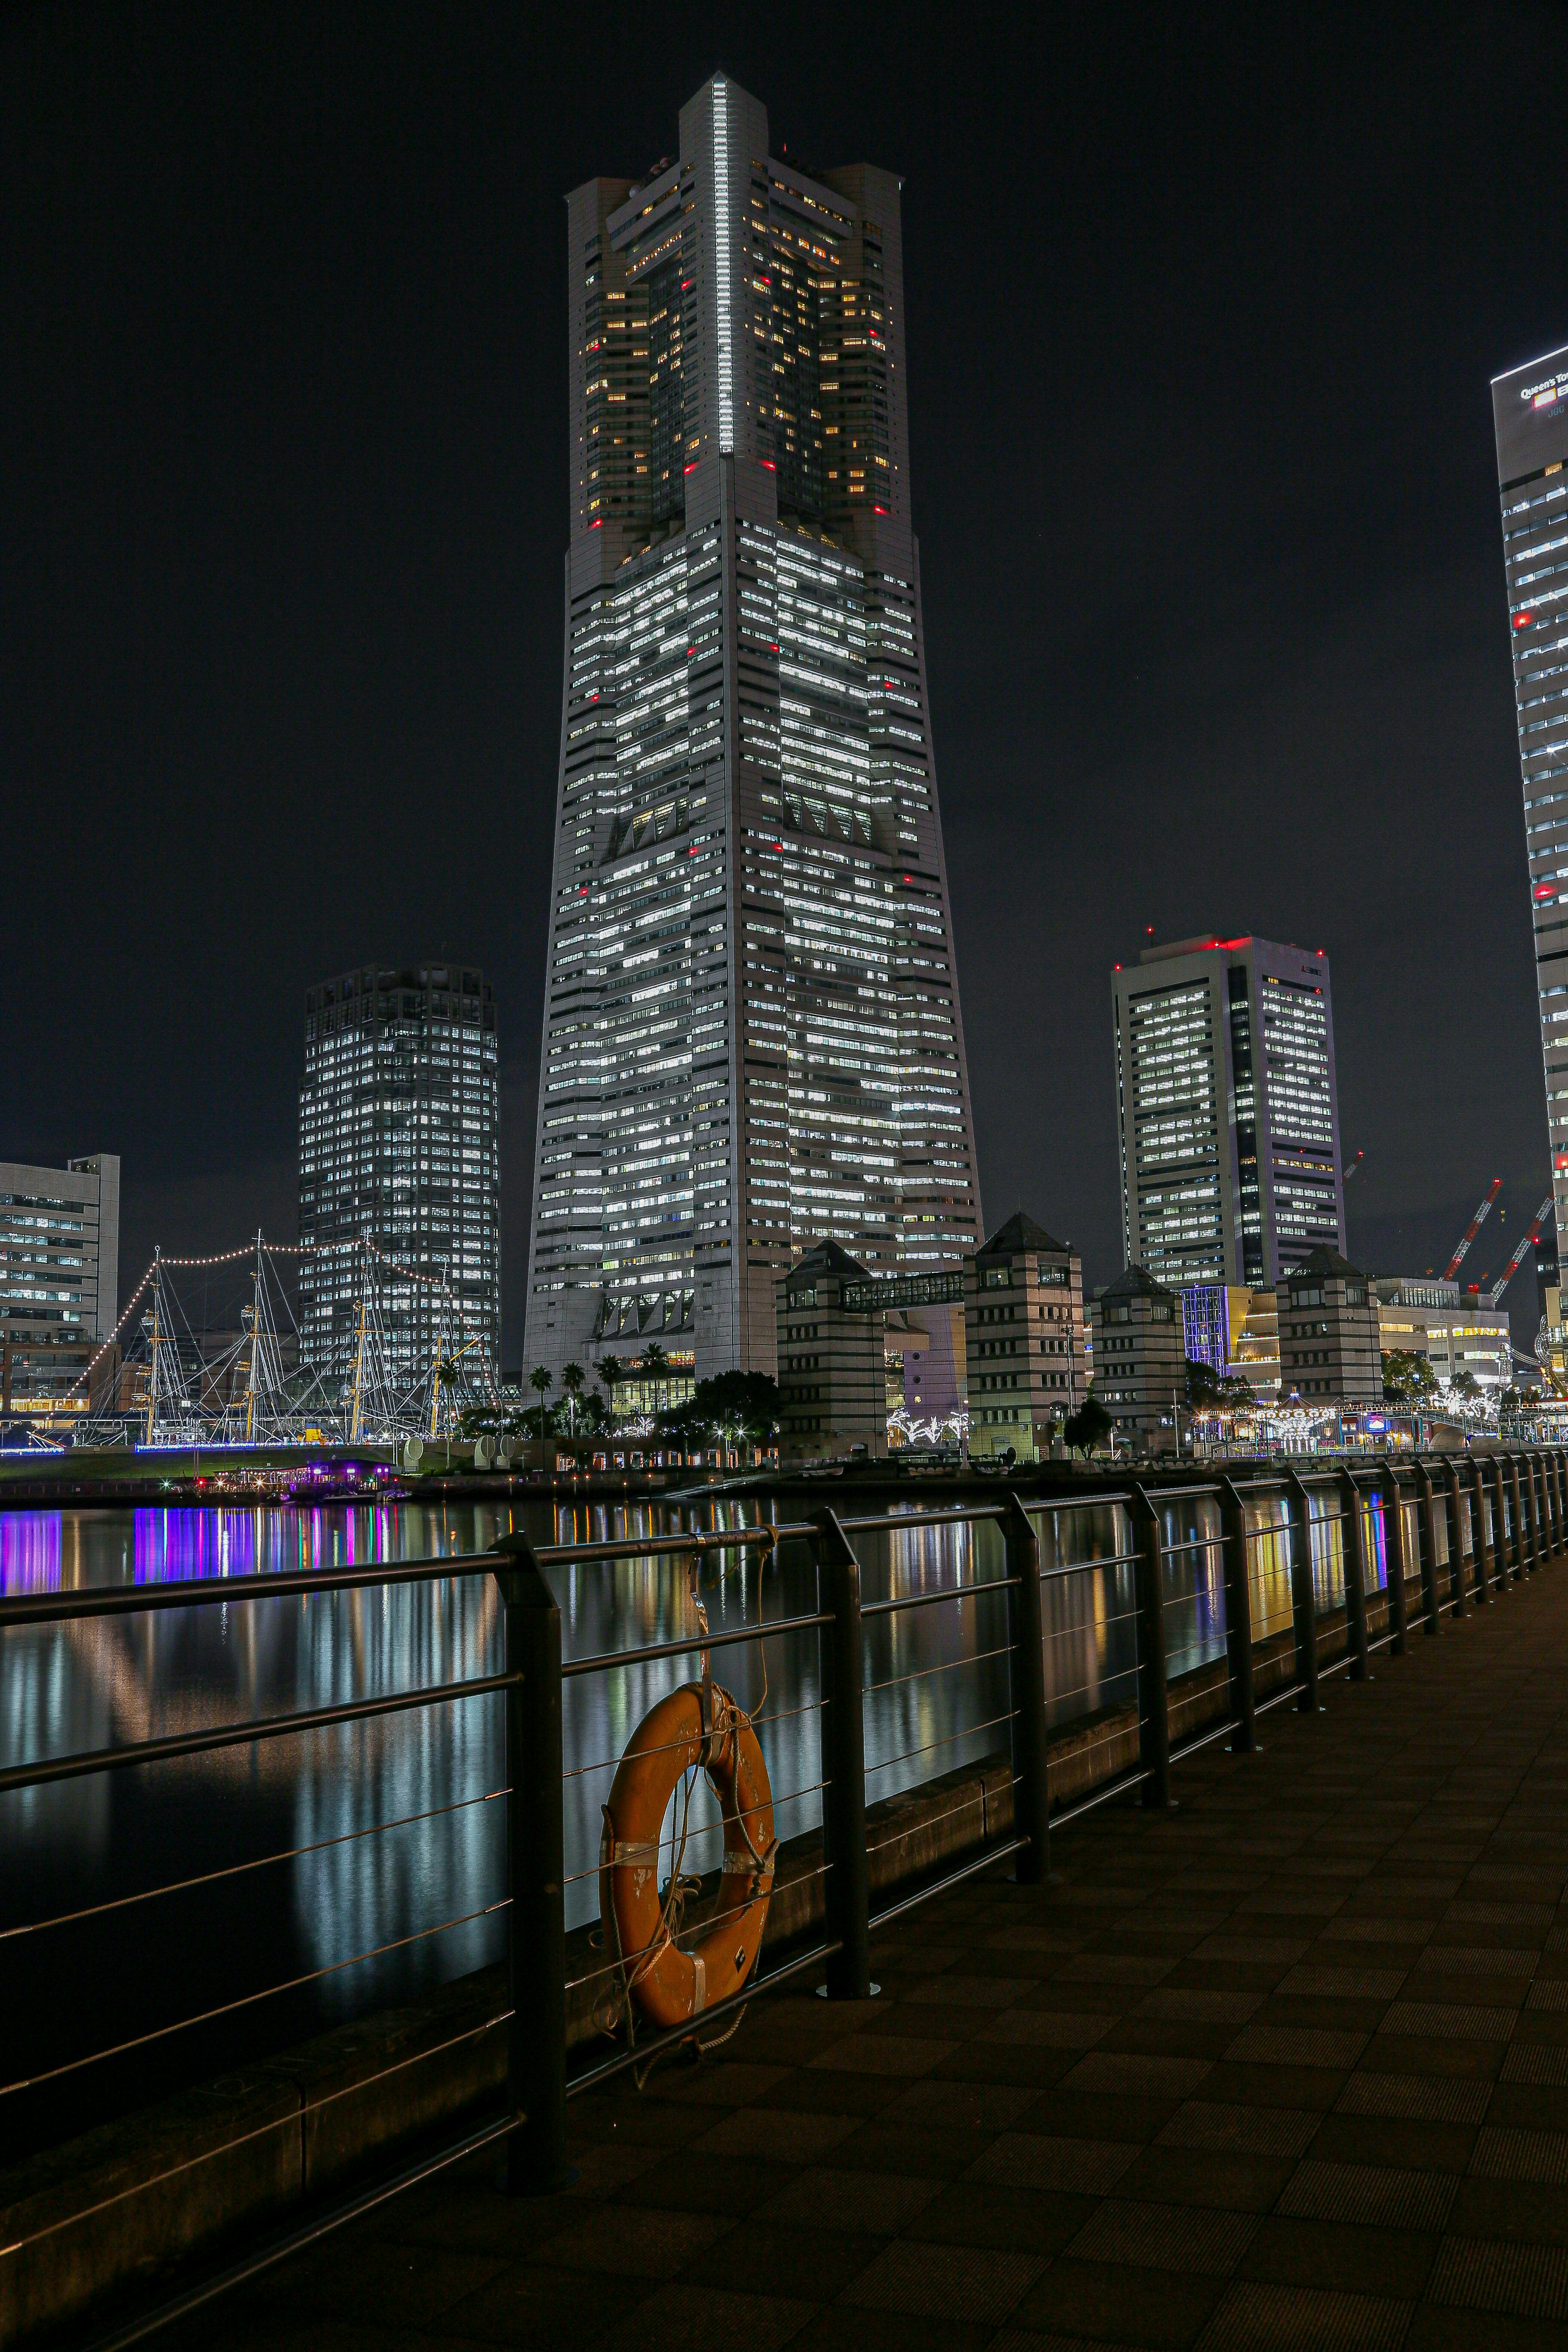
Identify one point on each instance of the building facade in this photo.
(1140, 1359)
(1330, 1336)
(59, 1279)
(1454, 1332)
(1228, 1111)
(1530, 414)
(1236, 1331)
(831, 1374)
(751, 1036)
(399, 1146)
(1024, 1340)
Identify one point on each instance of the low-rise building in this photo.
(1236, 1331)
(832, 1376)
(1330, 1341)
(60, 1281)
(1455, 1333)
(1140, 1358)
(1023, 1340)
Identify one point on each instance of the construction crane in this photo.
(1517, 1260)
(1471, 1230)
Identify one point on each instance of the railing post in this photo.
(1531, 1513)
(1520, 1555)
(1153, 1697)
(1355, 1576)
(1479, 1532)
(1238, 1618)
(1549, 1494)
(1546, 1547)
(1499, 1525)
(1394, 1554)
(846, 1890)
(1555, 1458)
(1457, 1542)
(1430, 1612)
(1031, 1793)
(536, 1919)
(1303, 1595)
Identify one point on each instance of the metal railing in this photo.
(1392, 1546)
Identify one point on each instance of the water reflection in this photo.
(327, 1894)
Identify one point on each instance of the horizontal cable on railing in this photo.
(272, 1584)
(1091, 1625)
(1081, 1690)
(960, 1516)
(245, 2000)
(929, 1821)
(929, 1599)
(687, 1646)
(234, 1869)
(178, 1744)
(696, 1927)
(966, 1731)
(946, 1666)
(759, 1723)
(290, 2122)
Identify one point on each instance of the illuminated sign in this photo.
(1530, 413)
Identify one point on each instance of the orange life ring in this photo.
(698, 1725)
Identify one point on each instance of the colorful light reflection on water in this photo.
(344, 1884)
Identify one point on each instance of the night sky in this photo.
(1201, 312)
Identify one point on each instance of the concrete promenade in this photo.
(1287, 2066)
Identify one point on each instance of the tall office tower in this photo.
(399, 1145)
(752, 1032)
(59, 1277)
(1228, 1111)
(1529, 412)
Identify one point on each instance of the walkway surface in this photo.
(1287, 2066)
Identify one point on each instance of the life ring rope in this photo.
(668, 1981)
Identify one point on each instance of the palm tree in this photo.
(542, 1378)
(572, 1380)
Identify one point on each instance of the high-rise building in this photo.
(1530, 413)
(399, 1146)
(1228, 1111)
(59, 1279)
(752, 1034)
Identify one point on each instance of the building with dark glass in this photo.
(399, 1146)
(751, 1036)
(1530, 413)
(1228, 1111)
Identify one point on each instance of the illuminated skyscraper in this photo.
(399, 1146)
(1228, 1111)
(1529, 412)
(751, 1031)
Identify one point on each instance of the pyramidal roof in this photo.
(827, 1257)
(1326, 1262)
(1134, 1282)
(1020, 1232)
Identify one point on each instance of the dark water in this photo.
(380, 1844)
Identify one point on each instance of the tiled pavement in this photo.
(1287, 2066)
